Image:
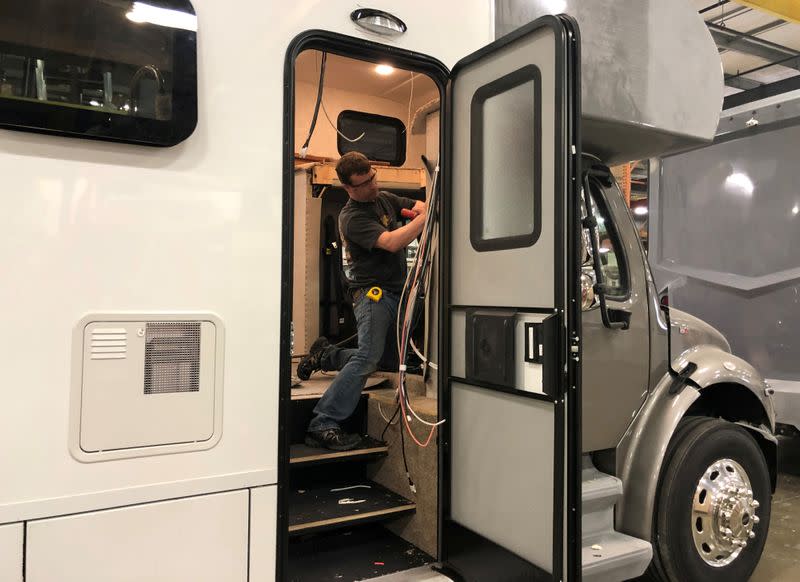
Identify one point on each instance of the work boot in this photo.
(313, 361)
(332, 438)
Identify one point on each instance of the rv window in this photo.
(505, 162)
(384, 138)
(124, 71)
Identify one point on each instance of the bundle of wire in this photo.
(416, 287)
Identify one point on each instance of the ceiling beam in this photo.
(785, 9)
(763, 92)
(727, 38)
(743, 83)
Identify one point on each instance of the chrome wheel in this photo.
(723, 513)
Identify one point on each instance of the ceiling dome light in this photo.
(378, 21)
(384, 70)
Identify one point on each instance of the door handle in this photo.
(619, 316)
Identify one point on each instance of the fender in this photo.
(640, 452)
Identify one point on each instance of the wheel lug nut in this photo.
(756, 519)
(755, 504)
(751, 535)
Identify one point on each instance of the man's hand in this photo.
(399, 239)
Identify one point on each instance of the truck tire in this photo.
(712, 509)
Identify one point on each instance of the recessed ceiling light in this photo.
(384, 70)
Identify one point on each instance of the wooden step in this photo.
(318, 383)
(337, 506)
(304, 455)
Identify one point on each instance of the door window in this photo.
(505, 149)
(612, 258)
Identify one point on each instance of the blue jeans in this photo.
(375, 320)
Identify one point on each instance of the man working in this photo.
(374, 250)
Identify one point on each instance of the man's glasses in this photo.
(369, 180)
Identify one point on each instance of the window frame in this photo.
(65, 120)
(374, 118)
(482, 94)
(597, 195)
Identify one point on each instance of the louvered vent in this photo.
(172, 357)
(109, 343)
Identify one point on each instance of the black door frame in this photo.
(355, 48)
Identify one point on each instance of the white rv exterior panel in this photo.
(11, 542)
(200, 539)
(263, 529)
(90, 227)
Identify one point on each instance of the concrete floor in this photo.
(781, 559)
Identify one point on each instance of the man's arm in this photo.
(400, 238)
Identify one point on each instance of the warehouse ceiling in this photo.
(757, 47)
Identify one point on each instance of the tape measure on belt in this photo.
(375, 294)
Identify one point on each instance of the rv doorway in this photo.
(371, 510)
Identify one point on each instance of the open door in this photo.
(511, 314)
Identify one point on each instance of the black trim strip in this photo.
(505, 389)
(477, 145)
(574, 313)
(542, 310)
(355, 48)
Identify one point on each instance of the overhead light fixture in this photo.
(556, 6)
(384, 70)
(796, 210)
(640, 210)
(739, 183)
(142, 12)
(378, 21)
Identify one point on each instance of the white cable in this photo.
(351, 487)
(386, 420)
(421, 357)
(410, 100)
(325, 111)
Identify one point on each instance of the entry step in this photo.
(343, 505)
(361, 553)
(614, 556)
(304, 455)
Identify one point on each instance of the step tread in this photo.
(320, 508)
(599, 487)
(318, 383)
(301, 454)
(614, 553)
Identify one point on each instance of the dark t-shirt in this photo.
(360, 225)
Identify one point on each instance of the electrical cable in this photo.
(333, 125)
(304, 148)
(388, 421)
(417, 281)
